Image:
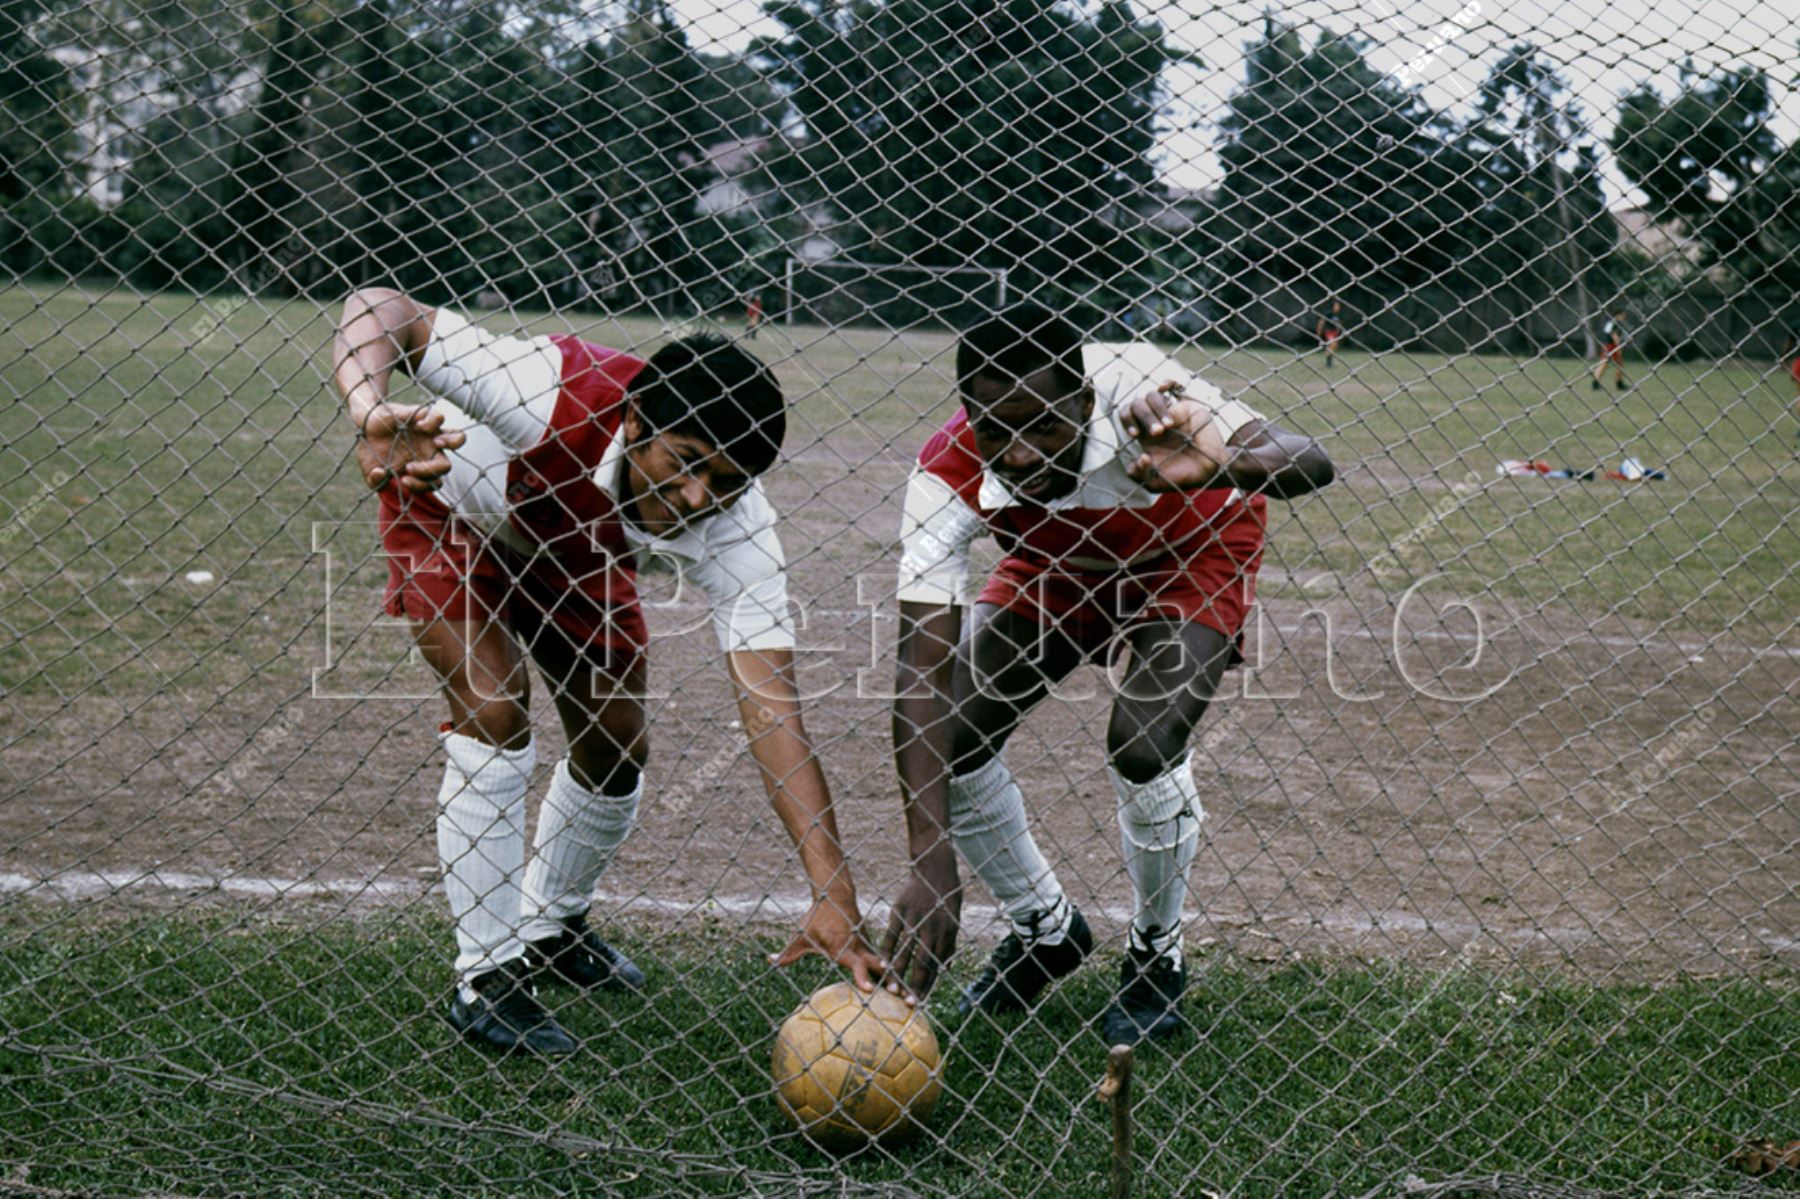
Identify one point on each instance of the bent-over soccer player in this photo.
(1128, 497)
(511, 511)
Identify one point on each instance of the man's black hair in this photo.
(1020, 341)
(707, 387)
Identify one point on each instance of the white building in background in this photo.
(118, 91)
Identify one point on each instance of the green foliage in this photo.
(1338, 176)
(645, 112)
(1003, 133)
(1538, 218)
(1707, 158)
(1333, 172)
(36, 140)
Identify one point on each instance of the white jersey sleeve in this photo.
(500, 392)
(936, 530)
(737, 562)
(507, 384)
(1122, 373)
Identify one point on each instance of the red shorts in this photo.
(1213, 585)
(1610, 352)
(1331, 337)
(439, 568)
(1794, 368)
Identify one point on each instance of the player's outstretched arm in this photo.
(381, 329)
(1182, 450)
(769, 705)
(922, 931)
(1266, 458)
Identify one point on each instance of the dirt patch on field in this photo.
(1586, 793)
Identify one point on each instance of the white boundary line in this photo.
(79, 885)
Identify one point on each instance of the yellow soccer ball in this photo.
(852, 1067)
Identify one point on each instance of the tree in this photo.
(261, 190)
(1707, 158)
(646, 116)
(1333, 172)
(1542, 215)
(36, 139)
(1000, 133)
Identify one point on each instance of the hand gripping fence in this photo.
(1367, 562)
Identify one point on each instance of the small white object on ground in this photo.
(199, 576)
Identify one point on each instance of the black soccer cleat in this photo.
(1018, 971)
(506, 1015)
(1148, 1005)
(579, 957)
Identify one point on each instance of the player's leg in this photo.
(481, 829)
(590, 809)
(1006, 666)
(1173, 675)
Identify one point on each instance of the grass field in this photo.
(245, 1056)
(1551, 932)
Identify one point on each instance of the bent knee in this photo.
(1139, 756)
(600, 764)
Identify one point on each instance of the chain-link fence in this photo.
(1477, 334)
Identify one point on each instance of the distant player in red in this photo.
(1612, 349)
(753, 316)
(1790, 358)
(512, 511)
(1128, 497)
(1330, 331)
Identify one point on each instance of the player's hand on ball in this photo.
(831, 932)
(406, 444)
(921, 933)
(1181, 444)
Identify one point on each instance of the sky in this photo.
(1604, 48)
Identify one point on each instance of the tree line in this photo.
(547, 156)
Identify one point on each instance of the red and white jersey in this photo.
(542, 468)
(1108, 522)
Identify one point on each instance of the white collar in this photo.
(612, 465)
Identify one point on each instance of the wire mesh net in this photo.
(1411, 723)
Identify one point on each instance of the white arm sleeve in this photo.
(936, 530)
(508, 384)
(743, 572)
(1229, 415)
(1127, 371)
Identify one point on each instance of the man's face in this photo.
(1029, 432)
(676, 478)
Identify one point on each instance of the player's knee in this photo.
(497, 721)
(601, 764)
(1140, 754)
(971, 749)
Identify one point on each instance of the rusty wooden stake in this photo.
(1115, 1089)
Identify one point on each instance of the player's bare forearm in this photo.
(381, 329)
(769, 706)
(1268, 459)
(927, 913)
(923, 731)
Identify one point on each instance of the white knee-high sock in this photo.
(578, 833)
(1159, 829)
(481, 847)
(988, 826)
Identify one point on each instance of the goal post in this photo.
(840, 291)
